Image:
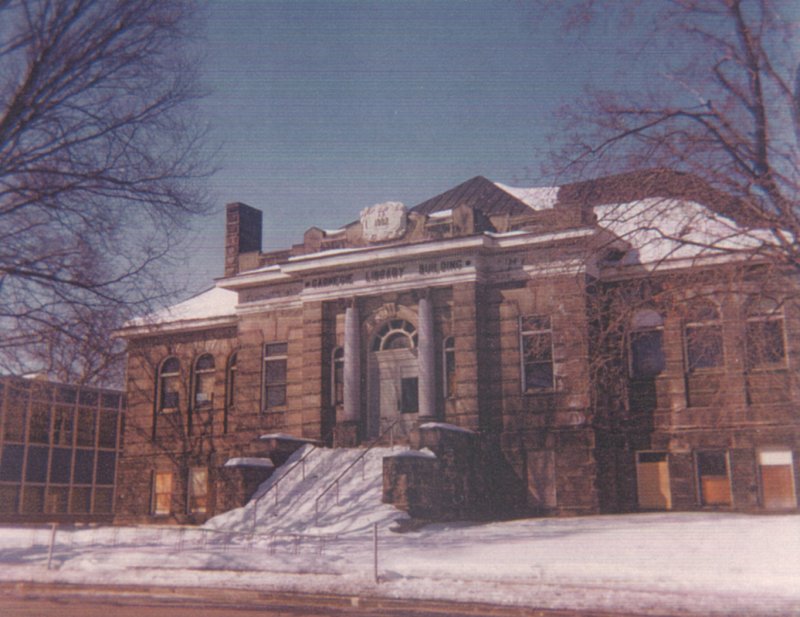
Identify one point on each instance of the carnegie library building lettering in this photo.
(607, 346)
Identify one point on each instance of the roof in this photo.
(478, 193)
(214, 303)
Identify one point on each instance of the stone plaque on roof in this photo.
(386, 221)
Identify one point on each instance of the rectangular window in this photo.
(713, 477)
(777, 479)
(275, 369)
(647, 355)
(765, 346)
(537, 352)
(652, 481)
(704, 346)
(449, 362)
(409, 395)
(162, 493)
(198, 490)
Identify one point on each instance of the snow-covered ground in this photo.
(696, 563)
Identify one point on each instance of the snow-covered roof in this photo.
(214, 303)
(250, 461)
(661, 229)
(537, 198)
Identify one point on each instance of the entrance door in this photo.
(777, 479)
(652, 481)
(393, 378)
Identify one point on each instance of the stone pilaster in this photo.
(427, 361)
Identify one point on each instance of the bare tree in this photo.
(725, 108)
(99, 163)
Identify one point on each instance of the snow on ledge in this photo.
(249, 461)
(284, 437)
(447, 427)
(424, 453)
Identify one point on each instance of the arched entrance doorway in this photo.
(393, 384)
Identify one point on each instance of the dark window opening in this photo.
(537, 352)
(409, 395)
(703, 338)
(275, 375)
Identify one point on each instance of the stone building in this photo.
(604, 346)
(59, 446)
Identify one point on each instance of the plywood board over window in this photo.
(777, 479)
(652, 481)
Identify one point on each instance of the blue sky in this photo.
(323, 108)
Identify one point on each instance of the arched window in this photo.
(395, 334)
(337, 376)
(766, 345)
(646, 344)
(168, 385)
(230, 389)
(703, 337)
(204, 380)
(449, 364)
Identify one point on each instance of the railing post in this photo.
(375, 552)
(53, 529)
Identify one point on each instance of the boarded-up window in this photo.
(777, 479)
(198, 490)
(652, 481)
(162, 493)
(541, 479)
(713, 477)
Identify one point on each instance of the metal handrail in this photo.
(274, 486)
(335, 483)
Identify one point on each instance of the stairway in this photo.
(359, 495)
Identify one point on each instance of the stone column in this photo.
(352, 365)
(427, 361)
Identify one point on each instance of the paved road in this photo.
(32, 600)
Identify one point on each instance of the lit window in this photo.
(162, 493)
(337, 376)
(713, 477)
(537, 352)
(204, 381)
(449, 363)
(765, 336)
(646, 345)
(168, 384)
(198, 490)
(703, 337)
(275, 368)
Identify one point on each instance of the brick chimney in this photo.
(242, 234)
